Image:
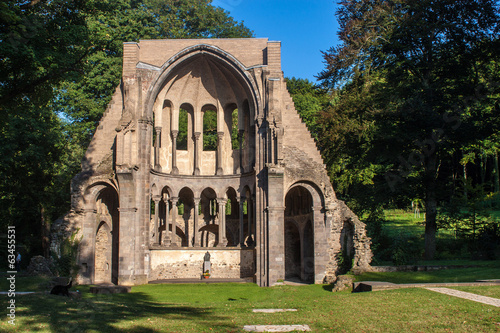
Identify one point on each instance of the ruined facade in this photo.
(201, 149)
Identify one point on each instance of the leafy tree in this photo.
(84, 99)
(61, 61)
(412, 64)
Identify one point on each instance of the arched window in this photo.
(209, 129)
(182, 137)
(235, 142)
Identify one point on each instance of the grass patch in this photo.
(227, 308)
(487, 270)
(490, 291)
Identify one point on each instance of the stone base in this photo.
(132, 280)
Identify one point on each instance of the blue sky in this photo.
(304, 27)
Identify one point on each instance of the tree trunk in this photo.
(430, 207)
(497, 173)
(45, 232)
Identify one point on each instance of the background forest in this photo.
(406, 114)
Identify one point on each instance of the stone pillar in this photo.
(175, 170)
(156, 229)
(157, 165)
(241, 133)
(251, 231)
(242, 234)
(222, 222)
(196, 138)
(174, 201)
(167, 240)
(220, 141)
(195, 227)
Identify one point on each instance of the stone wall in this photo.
(188, 264)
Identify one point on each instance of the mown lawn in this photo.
(227, 308)
(486, 270)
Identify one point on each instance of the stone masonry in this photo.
(201, 149)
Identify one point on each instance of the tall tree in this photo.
(83, 100)
(61, 61)
(417, 62)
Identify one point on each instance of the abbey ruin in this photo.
(201, 150)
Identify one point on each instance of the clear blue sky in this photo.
(304, 27)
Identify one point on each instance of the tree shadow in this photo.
(133, 312)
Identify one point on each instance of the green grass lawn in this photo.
(227, 308)
(486, 270)
(493, 291)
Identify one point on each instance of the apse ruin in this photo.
(201, 150)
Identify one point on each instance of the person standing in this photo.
(18, 262)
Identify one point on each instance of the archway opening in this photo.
(208, 218)
(107, 237)
(299, 235)
(346, 247)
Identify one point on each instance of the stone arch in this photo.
(299, 212)
(225, 58)
(208, 218)
(106, 241)
(248, 215)
(164, 208)
(103, 254)
(292, 250)
(210, 125)
(185, 230)
(232, 217)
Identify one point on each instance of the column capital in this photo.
(156, 198)
(174, 200)
(220, 135)
(158, 128)
(197, 200)
(196, 135)
(174, 133)
(221, 201)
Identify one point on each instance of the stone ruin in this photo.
(201, 148)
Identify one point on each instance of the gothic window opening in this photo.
(182, 136)
(209, 129)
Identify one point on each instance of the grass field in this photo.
(228, 307)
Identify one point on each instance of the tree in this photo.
(416, 62)
(82, 100)
(61, 61)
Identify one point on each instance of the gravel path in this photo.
(469, 296)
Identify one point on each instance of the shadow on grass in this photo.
(134, 312)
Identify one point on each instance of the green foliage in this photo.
(61, 60)
(183, 130)
(405, 250)
(210, 131)
(416, 81)
(65, 260)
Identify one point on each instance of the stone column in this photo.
(157, 166)
(222, 222)
(156, 229)
(241, 133)
(174, 201)
(196, 138)
(220, 141)
(242, 235)
(167, 239)
(250, 224)
(195, 227)
(175, 170)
